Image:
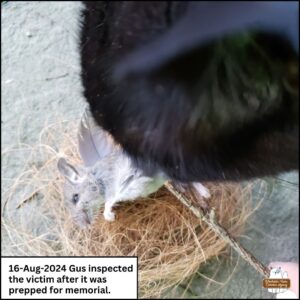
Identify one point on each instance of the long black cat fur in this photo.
(198, 113)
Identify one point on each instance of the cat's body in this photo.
(222, 111)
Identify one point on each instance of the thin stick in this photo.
(207, 214)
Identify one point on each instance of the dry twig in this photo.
(203, 211)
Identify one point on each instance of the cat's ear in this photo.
(69, 171)
(205, 21)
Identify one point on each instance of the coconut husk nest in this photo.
(170, 242)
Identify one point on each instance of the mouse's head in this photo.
(83, 195)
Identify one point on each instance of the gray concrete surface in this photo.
(40, 77)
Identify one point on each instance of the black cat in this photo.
(185, 89)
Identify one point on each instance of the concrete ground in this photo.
(40, 77)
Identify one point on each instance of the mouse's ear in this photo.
(69, 171)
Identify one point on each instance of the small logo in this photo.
(278, 282)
